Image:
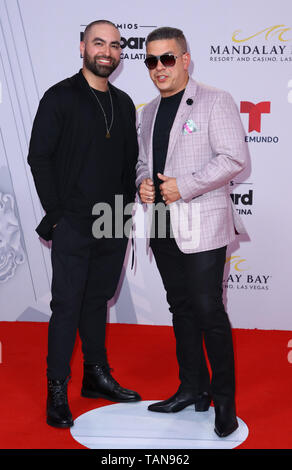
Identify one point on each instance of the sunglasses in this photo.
(167, 60)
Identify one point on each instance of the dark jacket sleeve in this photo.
(132, 153)
(46, 131)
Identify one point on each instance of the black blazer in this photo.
(61, 135)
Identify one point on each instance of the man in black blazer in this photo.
(83, 150)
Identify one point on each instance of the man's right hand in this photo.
(147, 191)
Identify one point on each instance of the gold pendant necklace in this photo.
(108, 128)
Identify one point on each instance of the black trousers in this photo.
(86, 272)
(193, 284)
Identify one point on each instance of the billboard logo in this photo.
(242, 200)
(255, 112)
(132, 45)
(245, 201)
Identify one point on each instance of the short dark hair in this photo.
(166, 32)
(97, 22)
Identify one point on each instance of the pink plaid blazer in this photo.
(206, 150)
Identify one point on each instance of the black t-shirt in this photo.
(100, 179)
(164, 120)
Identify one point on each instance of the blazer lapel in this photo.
(182, 115)
(149, 124)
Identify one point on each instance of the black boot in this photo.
(203, 402)
(225, 419)
(180, 400)
(58, 412)
(99, 383)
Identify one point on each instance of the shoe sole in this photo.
(175, 410)
(60, 425)
(88, 394)
(226, 433)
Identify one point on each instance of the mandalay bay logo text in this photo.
(239, 276)
(271, 44)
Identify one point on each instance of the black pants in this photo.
(193, 284)
(86, 272)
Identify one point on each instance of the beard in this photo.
(98, 69)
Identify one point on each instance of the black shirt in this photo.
(164, 120)
(64, 134)
(100, 178)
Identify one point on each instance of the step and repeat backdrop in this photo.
(242, 47)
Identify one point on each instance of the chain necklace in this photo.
(108, 128)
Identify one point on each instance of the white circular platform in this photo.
(133, 426)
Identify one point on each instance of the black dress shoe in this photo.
(99, 383)
(180, 400)
(225, 419)
(58, 412)
(203, 402)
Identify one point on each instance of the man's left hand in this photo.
(168, 189)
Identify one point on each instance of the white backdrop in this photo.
(242, 47)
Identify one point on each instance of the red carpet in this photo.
(142, 358)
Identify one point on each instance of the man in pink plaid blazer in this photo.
(191, 146)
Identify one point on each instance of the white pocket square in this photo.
(189, 127)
